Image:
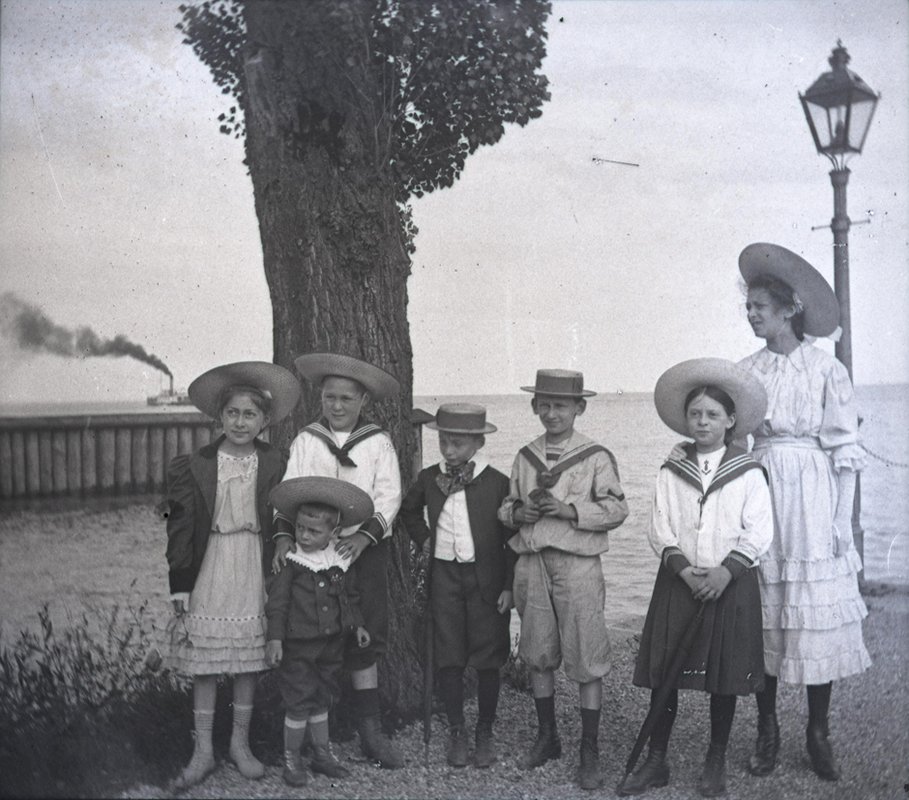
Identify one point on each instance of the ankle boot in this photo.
(713, 778)
(546, 746)
(653, 773)
(200, 766)
(485, 754)
(377, 746)
(324, 762)
(821, 753)
(589, 774)
(767, 747)
(294, 771)
(248, 765)
(456, 753)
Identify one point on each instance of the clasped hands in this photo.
(706, 583)
(541, 503)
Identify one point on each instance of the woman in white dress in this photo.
(808, 443)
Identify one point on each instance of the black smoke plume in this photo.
(32, 329)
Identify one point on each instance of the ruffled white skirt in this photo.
(223, 632)
(810, 600)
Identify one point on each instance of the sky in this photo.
(122, 207)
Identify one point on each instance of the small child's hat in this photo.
(354, 505)
(559, 383)
(822, 310)
(677, 382)
(467, 418)
(280, 385)
(379, 383)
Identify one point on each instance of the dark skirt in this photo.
(727, 656)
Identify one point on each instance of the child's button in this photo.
(325, 608)
(321, 584)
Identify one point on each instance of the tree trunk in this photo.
(333, 237)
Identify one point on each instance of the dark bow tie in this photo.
(454, 479)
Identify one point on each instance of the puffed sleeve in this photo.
(839, 424)
(662, 537)
(386, 492)
(757, 524)
(180, 511)
(512, 501)
(606, 508)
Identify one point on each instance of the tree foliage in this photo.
(445, 77)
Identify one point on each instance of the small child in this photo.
(312, 608)
(711, 521)
(470, 573)
(344, 444)
(564, 497)
(219, 547)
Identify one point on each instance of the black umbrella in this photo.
(659, 700)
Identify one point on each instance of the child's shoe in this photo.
(546, 746)
(456, 754)
(821, 753)
(377, 746)
(589, 775)
(294, 770)
(713, 778)
(485, 754)
(324, 762)
(200, 766)
(653, 773)
(248, 765)
(767, 747)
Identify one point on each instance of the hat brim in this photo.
(582, 393)
(487, 428)
(354, 504)
(273, 379)
(822, 310)
(377, 382)
(676, 382)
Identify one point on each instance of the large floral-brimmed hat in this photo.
(354, 505)
(559, 383)
(379, 383)
(278, 384)
(467, 418)
(677, 382)
(822, 311)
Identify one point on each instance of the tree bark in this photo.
(333, 237)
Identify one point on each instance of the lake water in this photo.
(96, 556)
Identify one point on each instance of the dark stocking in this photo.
(488, 684)
(819, 704)
(722, 712)
(451, 687)
(659, 739)
(766, 699)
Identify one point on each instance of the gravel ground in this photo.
(868, 720)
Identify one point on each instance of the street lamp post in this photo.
(839, 107)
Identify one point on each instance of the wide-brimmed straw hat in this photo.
(822, 311)
(379, 383)
(280, 385)
(468, 418)
(353, 503)
(677, 382)
(559, 383)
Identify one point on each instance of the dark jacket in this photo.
(307, 605)
(192, 481)
(485, 493)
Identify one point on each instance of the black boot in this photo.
(324, 762)
(767, 747)
(589, 774)
(821, 753)
(713, 778)
(295, 773)
(546, 746)
(456, 753)
(377, 746)
(485, 754)
(653, 773)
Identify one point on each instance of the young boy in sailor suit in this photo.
(470, 571)
(341, 444)
(564, 497)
